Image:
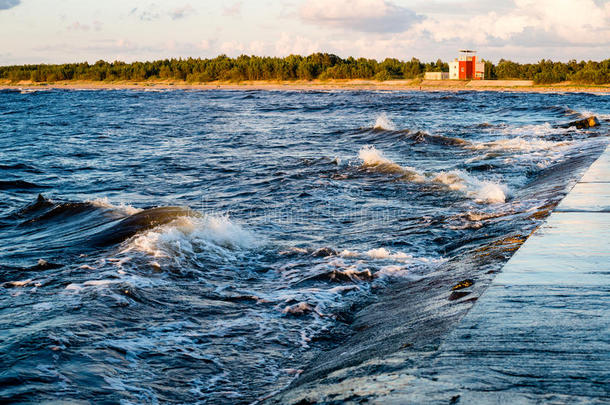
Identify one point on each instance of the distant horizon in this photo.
(523, 31)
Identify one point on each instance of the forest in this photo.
(321, 66)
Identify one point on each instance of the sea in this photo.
(203, 246)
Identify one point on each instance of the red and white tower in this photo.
(466, 67)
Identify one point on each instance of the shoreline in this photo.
(367, 85)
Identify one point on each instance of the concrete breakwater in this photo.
(538, 332)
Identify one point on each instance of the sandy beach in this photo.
(425, 85)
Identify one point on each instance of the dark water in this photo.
(203, 246)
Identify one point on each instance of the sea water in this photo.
(204, 246)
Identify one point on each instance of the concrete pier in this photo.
(541, 331)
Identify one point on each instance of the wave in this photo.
(557, 110)
(373, 159)
(188, 237)
(89, 225)
(19, 185)
(481, 191)
(122, 207)
(19, 166)
(384, 123)
(356, 266)
(540, 131)
(560, 110)
(520, 144)
(589, 113)
(423, 137)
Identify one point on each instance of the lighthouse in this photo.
(466, 67)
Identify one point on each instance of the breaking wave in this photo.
(384, 123)
(373, 159)
(188, 237)
(480, 190)
(521, 144)
(122, 207)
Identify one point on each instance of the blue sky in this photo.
(42, 31)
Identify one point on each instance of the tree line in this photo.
(322, 66)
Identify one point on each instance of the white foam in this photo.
(536, 130)
(100, 282)
(589, 113)
(482, 191)
(42, 306)
(520, 144)
(383, 253)
(349, 253)
(451, 179)
(383, 122)
(375, 159)
(380, 253)
(393, 271)
(123, 208)
(489, 192)
(371, 156)
(21, 283)
(189, 236)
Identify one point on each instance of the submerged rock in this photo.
(585, 123)
(463, 284)
(324, 252)
(456, 295)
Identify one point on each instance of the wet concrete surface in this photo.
(541, 331)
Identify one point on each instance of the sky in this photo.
(43, 31)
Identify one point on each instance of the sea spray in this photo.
(521, 144)
(104, 202)
(188, 237)
(375, 160)
(480, 190)
(384, 123)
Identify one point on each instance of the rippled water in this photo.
(205, 245)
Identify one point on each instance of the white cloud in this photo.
(124, 44)
(299, 45)
(232, 48)
(77, 26)
(257, 48)
(146, 15)
(233, 10)
(204, 44)
(358, 15)
(182, 12)
(568, 21)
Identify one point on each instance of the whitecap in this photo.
(374, 159)
(520, 144)
(383, 122)
(123, 208)
(187, 237)
(482, 191)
